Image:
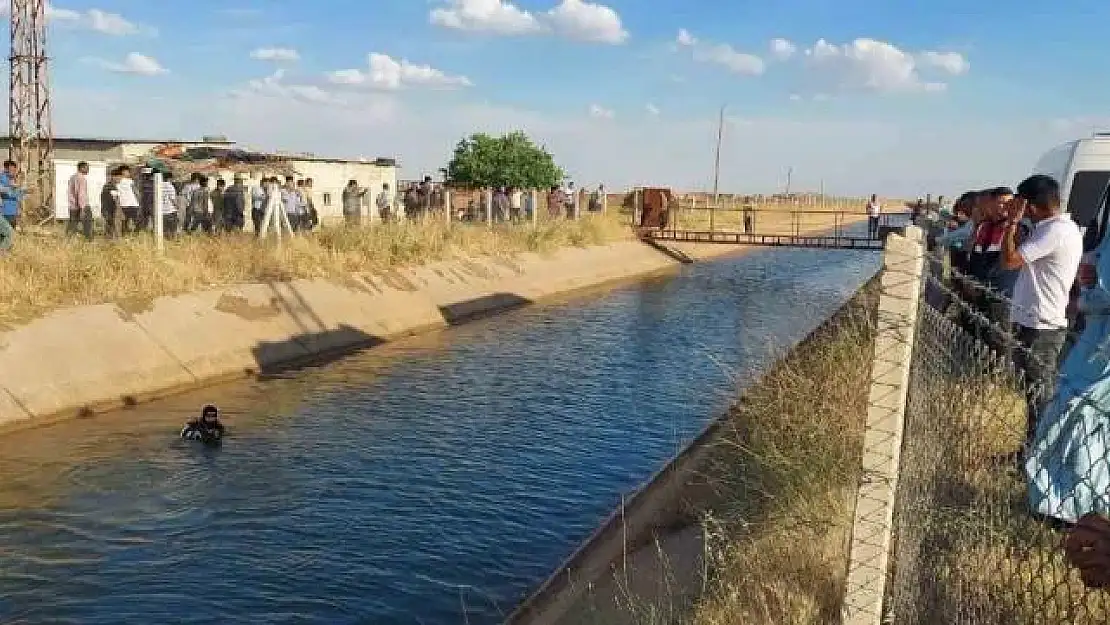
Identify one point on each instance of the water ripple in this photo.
(431, 481)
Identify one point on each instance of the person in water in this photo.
(207, 428)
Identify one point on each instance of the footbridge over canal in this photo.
(771, 228)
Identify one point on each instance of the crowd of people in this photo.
(1016, 259)
(210, 205)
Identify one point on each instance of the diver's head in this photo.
(210, 413)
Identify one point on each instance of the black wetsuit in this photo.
(198, 430)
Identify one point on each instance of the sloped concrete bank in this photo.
(647, 556)
(83, 360)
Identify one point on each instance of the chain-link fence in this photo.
(983, 500)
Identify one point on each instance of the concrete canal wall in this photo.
(79, 361)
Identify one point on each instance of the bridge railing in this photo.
(783, 220)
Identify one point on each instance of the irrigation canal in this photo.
(435, 480)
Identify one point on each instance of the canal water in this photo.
(435, 480)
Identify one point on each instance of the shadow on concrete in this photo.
(481, 306)
(324, 347)
(666, 251)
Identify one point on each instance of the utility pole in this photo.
(717, 159)
(30, 121)
(789, 175)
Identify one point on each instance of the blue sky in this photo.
(860, 96)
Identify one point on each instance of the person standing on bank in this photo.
(1048, 262)
(77, 196)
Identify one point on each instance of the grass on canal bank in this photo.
(46, 271)
(781, 478)
(761, 533)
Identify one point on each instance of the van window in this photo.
(1087, 191)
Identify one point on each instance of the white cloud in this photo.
(876, 66)
(386, 73)
(782, 49)
(952, 62)
(95, 20)
(485, 16)
(421, 132)
(572, 19)
(133, 63)
(598, 112)
(274, 86)
(586, 21)
(721, 54)
(795, 97)
(279, 55)
(652, 109)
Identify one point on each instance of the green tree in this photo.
(512, 160)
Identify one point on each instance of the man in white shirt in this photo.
(874, 210)
(384, 202)
(1049, 261)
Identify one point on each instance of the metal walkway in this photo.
(770, 240)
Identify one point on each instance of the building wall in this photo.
(330, 177)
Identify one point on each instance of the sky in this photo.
(852, 96)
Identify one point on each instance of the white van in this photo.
(1082, 167)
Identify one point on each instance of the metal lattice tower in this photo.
(30, 123)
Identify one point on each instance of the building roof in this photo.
(380, 161)
(119, 140)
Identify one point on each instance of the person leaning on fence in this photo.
(1048, 262)
(995, 283)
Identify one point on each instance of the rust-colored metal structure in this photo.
(30, 119)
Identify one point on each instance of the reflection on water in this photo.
(413, 483)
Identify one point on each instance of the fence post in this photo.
(535, 204)
(447, 210)
(159, 234)
(577, 204)
(488, 195)
(604, 201)
(900, 291)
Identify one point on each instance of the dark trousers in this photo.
(169, 225)
(994, 307)
(13, 220)
(1038, 358)
(132, 219)
(80, 220)
(256, 219)
(872, 227)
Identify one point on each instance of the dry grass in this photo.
(46, 271)
(981, 557)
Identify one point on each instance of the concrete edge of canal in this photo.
(648, 536)
(79, 361)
